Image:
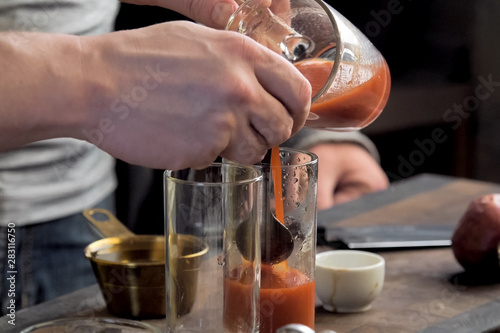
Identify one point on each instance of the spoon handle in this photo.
(267, 158)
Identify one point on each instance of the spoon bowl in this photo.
(276, 241)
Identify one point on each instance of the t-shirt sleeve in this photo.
(307, 138)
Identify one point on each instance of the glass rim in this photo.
(314, 158)
(380, 261)
(250, 180)
(125, 323)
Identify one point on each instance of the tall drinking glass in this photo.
(203, 209)
(287, 291)
(349, 77)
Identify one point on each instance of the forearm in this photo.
(40, 88)
(175, 88)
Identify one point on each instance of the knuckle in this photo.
(257, 156)
(175, 164)
(247, 49)
(246, 151)
(203, 158)
(305, 92)
(304, 98)
(196, 7)
(243, 93)
(286, 133)
(211, 150)
(275, 136)
(381, 184)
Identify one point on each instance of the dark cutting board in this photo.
(427, 200)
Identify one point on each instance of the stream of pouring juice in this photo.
(349, 108)
(276, 175)
(286, 294)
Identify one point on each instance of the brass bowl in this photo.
(130, 270)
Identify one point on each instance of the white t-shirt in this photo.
(54, 178)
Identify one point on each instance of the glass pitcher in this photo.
(350, 79)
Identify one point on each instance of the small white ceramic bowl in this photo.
(348, 280)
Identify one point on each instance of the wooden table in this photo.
(425, 290)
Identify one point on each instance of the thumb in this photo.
(325, 195)
(212, 13)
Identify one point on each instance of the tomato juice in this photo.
(286, 296)
(345, 109)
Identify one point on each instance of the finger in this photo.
(281, 7)
(347, 194)
(325, 195)
(212, 13)
(328, 179)
(270, 119)
(247, 146)
(329, 174)
(263, 123)
(282, 80)
(355, 185)
(256, 107)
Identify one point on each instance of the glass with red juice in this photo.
(287, 289)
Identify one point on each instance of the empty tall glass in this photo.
(203, 209)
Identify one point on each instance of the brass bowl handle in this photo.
(108, 227)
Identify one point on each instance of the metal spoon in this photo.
(276, 241)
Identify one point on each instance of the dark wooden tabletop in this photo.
(425, 289)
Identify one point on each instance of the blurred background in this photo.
(444, 105)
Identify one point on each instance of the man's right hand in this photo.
(178, 95)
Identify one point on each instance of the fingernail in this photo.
(221, 13)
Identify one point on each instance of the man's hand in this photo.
(168, 96)
(346, 172)
(178, 95)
